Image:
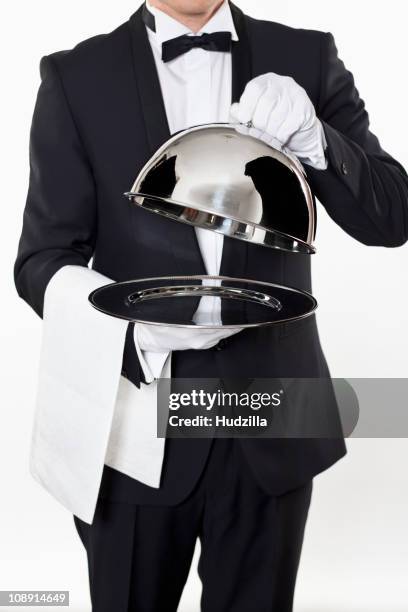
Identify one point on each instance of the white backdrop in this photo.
(355, 554)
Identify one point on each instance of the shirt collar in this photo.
(167, 27)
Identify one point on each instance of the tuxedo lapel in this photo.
(241, 54)
(148, 85)
(234, 255)
(182, 238)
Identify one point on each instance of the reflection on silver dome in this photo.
(217, 178)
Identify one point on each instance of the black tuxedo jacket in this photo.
(98, 118)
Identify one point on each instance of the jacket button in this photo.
(344, 169)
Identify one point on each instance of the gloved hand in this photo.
(154, 344)
(280, 113)
(158, 339)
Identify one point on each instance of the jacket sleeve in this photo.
(364, 190)
(60, 220)
(60, 215)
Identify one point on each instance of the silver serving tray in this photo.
(173, 301)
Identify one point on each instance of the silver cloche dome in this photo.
(218, 178)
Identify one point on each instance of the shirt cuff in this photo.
(318, 158)
(151, 363)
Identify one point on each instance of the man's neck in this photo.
(193, 21)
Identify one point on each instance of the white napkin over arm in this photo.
(81, 397)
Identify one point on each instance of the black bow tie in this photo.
(217, 41)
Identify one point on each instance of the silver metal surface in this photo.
(215, 177)
(234, 293)
(173, 301)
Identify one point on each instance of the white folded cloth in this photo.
(134, 448)
(86, 413)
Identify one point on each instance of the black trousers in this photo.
(139, 556)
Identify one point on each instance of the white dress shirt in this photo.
(196, 89)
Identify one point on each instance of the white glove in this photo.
(158, 339)
(280, 113)
(155, 343)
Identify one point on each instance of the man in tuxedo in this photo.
(103, 109)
